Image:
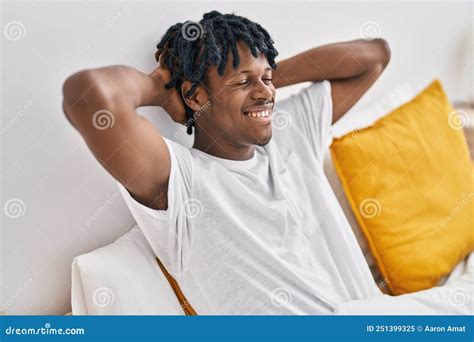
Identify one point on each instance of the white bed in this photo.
(125, 278)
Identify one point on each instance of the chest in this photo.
(277, 208)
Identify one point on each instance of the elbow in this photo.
(373, 54)
(384, 51)
(74, 87)
(79, 90)
(68, 86)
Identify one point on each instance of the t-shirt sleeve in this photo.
(167, 231)
(311, 111)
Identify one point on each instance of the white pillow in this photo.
(122, 278)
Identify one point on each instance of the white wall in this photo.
(49, 174)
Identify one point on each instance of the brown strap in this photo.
(187, 308)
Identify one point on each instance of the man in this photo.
(245, 221)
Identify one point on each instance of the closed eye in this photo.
(247, 81)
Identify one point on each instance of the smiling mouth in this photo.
(259, 114)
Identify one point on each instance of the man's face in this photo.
(242, 101)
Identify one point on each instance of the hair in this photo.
(188, 49)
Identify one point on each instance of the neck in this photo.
(221, 148)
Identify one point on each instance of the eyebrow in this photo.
(249, 71)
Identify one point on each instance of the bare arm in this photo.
(351, 67)
(101, 104)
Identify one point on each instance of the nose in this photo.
(263, 91)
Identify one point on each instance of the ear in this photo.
(198, 100)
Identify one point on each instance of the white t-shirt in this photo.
(265, 235)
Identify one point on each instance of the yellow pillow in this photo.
(409, 181)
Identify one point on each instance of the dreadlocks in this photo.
(189, 48)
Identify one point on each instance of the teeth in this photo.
(259, 114)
